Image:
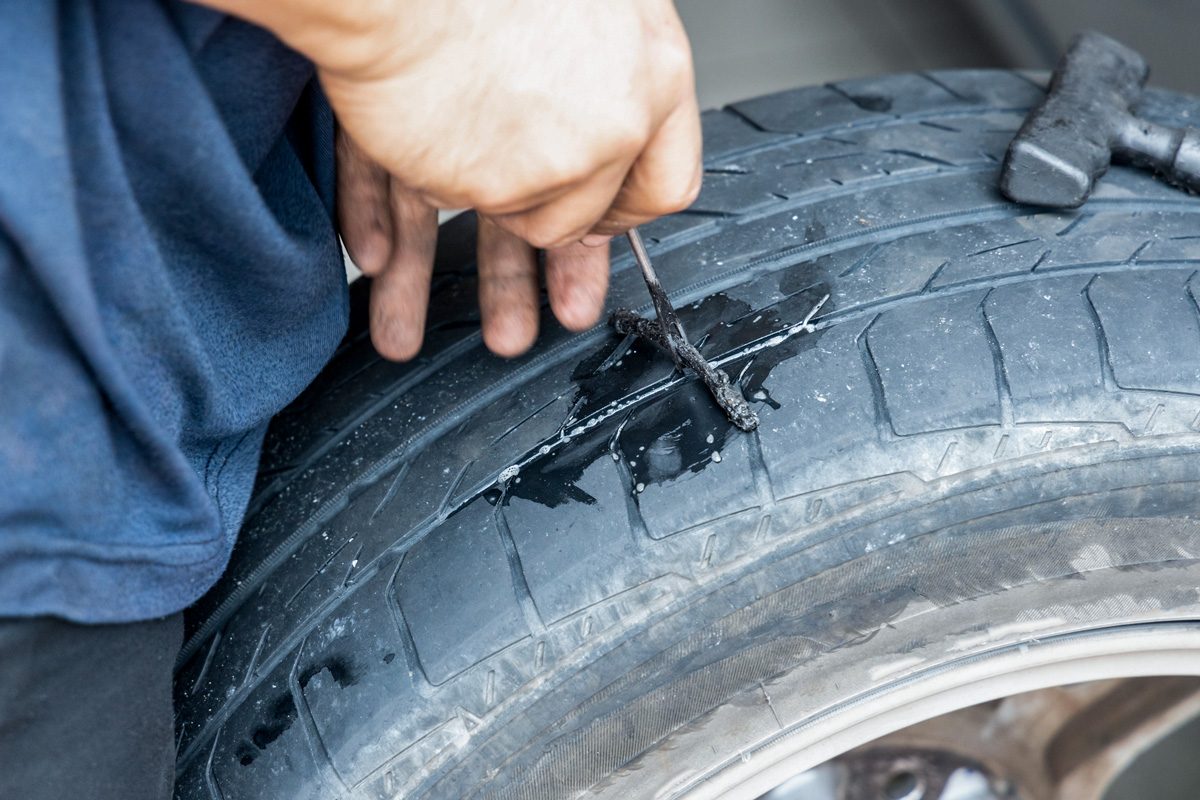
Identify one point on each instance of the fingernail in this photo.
(595, 240)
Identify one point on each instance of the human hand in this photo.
(561, 123)
(391, 232)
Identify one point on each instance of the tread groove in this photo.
(883, 416)
(862, 102)
(439, 362)
(731, 109)
(1003, 389)
(210, 778)
(1190, 287)
(957, 95)
(401, 472)
(520, 584)
(1079, 219)
(312, 737)
(258, 648)
(208, 659)
(633, 509)
(308, 581)
(420, 680)
(764, 488)
(861, 262)
(1106, 366)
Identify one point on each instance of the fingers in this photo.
(508, 290)
(568, 218)
(577, 280)
(400, 292)
(362, 207)
(666, 176)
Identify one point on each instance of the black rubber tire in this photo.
(568, 574)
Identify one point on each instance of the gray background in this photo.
(750, 47)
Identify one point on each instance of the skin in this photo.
(561, 123)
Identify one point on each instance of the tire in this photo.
(568, 575)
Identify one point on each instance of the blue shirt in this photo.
(169, 279)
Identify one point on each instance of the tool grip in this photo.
(1172, 152)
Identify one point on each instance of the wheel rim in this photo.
(1129, 651)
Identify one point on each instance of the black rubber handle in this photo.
(1172, 152)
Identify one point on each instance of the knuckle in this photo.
(693, 189)
(489, 195)
(545, 237)
(674, 58)
(678, 196)
(571, 168)
(628, 140)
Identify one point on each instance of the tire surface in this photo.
(465, 577)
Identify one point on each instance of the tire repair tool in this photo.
(1067, 142)
(668, 334)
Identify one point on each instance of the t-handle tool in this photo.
(1067, 142)
(668, 334)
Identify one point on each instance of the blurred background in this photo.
(744, 48)
(750, 47)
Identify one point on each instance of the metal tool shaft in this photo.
(668, 334)
(670, 326)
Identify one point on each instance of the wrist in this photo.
(339, 36)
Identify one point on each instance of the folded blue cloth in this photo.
(169, 279)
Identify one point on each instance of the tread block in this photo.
(862, 274)
(515, 424)
(935, 365)
(561, 518)
(739, 185)
(840, 215)
(1014, 257)
(925, 92)
(847, 103)
(358, 682)
(263, 744)
(726, 132)
(1150, 352)
(217, 669)
(1048, 345)
(958, 138)
(683, 445)
(803, 110)
(456, 593)
(993, 87)
(824, 404)
(192, 782)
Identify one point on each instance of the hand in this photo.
(560, 123)
(391, 232)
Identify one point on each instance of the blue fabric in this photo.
(169, 279)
